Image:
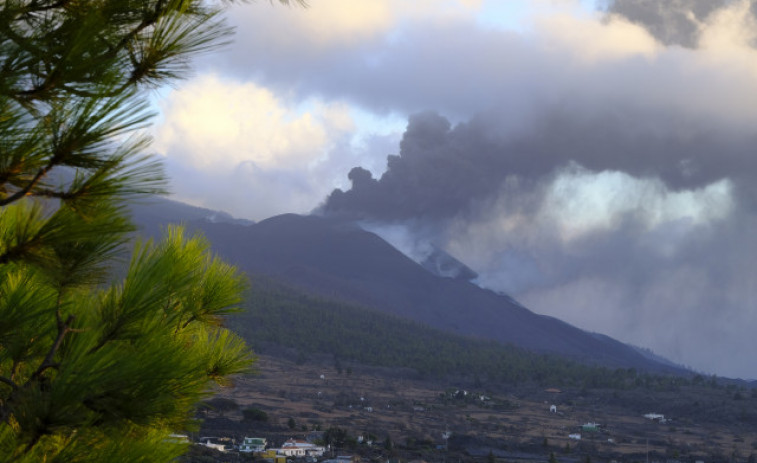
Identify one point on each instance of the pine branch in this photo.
(99, 94)
(72, 76)
(49, 193)
(9, 382)
(32, 183)
(21, 42)
(54, 79)
(63, 329)
(34, 6)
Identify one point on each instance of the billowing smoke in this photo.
(634, 224)
(442, 171)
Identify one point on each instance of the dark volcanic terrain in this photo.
(339, 260)
(514, 423)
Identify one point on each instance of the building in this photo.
(590, 427)
(270, 456)
(295, 447)
(655, 417)
(291, 452)
(253, 444)
(221, 444)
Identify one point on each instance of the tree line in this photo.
(281, 315)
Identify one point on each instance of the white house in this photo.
(307, 448)
(574, 436)
(219, 444)
(291, 452)
(253, 444)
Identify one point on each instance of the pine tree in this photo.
(92, 368)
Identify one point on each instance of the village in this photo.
(311, 448)
(258, 446)
(291, 411)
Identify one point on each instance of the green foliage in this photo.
(93, 369)
(128, 360)
(280, 315)
(220, 405)
(388, 444)
(254, 414)
(335, 437)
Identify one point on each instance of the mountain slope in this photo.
(338, 260)
(277, 316)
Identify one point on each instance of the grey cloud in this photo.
(413, 70)
(461, 69)
(672, 22)
(684, 289)
(693, 304)
(450, 184)
(283, 188)
(442, 170)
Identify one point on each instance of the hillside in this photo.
(338, 260)
(332, 366)
(280, 316)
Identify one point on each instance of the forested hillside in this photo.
(277, 315)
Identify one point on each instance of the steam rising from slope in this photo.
(635, 225)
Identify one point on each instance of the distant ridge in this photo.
(156, 212)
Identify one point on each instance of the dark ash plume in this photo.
(511, 204)
(443, 171)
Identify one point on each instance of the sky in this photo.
(592, 159)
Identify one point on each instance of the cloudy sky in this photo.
(595, 160)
